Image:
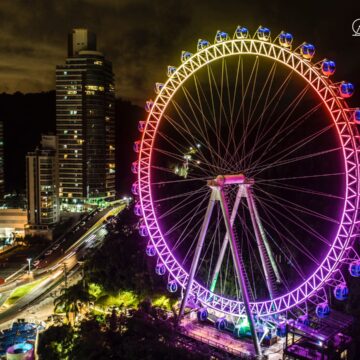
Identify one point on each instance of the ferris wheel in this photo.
(248, 178)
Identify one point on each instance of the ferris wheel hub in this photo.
(222, 180)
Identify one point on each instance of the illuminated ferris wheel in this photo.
(248, 179)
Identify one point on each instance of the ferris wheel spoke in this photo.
(171, 172)
(290, 206)
(191, 135)
(183, 180)
(177, 196)
(180, 147)
(289, 110)
(258, 123)
(234, 122)
(247, 117)
(304, 190)
(185, 233)
(195, 164)
(280, 247)
(301, 209)
(265, 181)
(211, 245)
(230, 123)
(180, 205)
(288, 130)
(249, 238)
(283, 160)
(188, 120)
(295, 242)
(192, 246)
(296, 220)
(284, 131)
(189, 216)
(218, 118)
(199, 90)
(192, 103)
(278, 95)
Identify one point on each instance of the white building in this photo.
(42, 188)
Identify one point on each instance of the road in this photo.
(53, 273)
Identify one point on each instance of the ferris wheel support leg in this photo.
(240, 273)
(263, 246)
(198, 249)
(224, 245)
(266, 243)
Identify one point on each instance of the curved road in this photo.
(53, 273)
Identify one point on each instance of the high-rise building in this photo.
(42, 188)
(85, 124)
(2, 176)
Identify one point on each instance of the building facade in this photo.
(42, 188)
(12, 223)
(85, 124)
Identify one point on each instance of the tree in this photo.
(121, 262)
(55, 343)
(73, 299)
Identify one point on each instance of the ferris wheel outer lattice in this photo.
(341, 115)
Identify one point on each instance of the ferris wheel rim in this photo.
(337, 110)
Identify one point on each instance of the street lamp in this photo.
(29, 262)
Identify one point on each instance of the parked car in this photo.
(48, 252)
(55, 247)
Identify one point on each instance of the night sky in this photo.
(142, 37)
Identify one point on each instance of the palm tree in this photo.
(72, 300)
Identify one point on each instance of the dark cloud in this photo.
(142, 37)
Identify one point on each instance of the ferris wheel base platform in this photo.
(240, 348)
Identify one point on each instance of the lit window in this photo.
(91, 87)
(65, 146)
(65, 72)
(98, 62)
(65, 156)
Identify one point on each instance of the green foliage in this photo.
(125, 299)
(144, 335)
(56, 343)
(121, 263)
(73, 299)
(95, 290)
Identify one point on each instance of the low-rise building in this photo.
(12, 223)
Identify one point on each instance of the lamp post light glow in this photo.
(29, 262)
